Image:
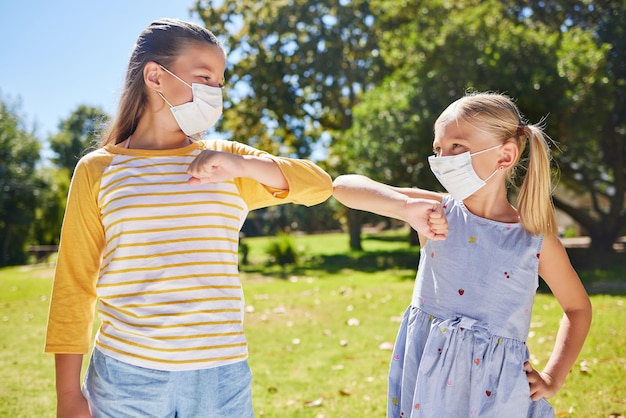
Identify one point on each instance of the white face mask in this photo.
(202, 112)
(457, 175)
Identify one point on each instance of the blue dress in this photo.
(461, 346)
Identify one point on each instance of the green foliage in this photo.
(572, 74)
(77, 135)
(19, 185)
(51, 200)
(296, 68)
(282, 250)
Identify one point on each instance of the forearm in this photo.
(569, 341)
(68, 368)
(362, 193)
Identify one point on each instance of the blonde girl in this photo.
(460, 350)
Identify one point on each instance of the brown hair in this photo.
(161, 42)
(498, 115)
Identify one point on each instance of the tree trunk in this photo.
(354, 227)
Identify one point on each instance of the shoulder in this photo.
(553, 257)
(94, 161)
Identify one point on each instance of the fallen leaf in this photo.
(385, 345)
(317, 402)
(584, 367)
(353, 322)
(344, 392)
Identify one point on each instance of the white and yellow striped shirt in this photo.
(161, 255)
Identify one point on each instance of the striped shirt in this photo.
(160, 255)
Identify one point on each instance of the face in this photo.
(200, 64)
(457, 137)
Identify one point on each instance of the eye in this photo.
(209, 81)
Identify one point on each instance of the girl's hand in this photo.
(427, 218)
(541, 384)
(72, 405)
(215, 167)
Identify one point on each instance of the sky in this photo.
(57, 55)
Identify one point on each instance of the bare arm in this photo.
(70, 400)
(215, 166)
(420, 208)
(556, 270)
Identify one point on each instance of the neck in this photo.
(152, 133)
(492, 204)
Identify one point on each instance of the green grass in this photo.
(307, 361)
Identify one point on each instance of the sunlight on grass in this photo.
(320, 334)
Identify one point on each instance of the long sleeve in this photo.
(308, 184)
(73, 298)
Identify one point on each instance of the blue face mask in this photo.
(202, 112)
(457, 175)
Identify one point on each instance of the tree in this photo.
(592, 131)
(77, 134)
(19, 184)
(296, 68)
(439, 49)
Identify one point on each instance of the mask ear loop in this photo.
(164, 99)
(175, 76)
(493, 174)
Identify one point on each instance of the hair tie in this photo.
(520, 130)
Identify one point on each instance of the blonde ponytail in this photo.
(534, 201)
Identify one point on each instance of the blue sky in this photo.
(56, 55)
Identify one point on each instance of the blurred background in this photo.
(352, 85)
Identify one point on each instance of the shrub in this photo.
(282, 250)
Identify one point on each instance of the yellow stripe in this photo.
(174, 350)
(106, 212)
(168, 241)
(172, 361)
(179, 228)
(190, 324)
(192, 336)
(159, 255)
(174, 278)
(174, 302)
(171, 314)
(181, 193)
(162, 217)
(119, 185)
(183, 289)
(164, 266)
(124, 166)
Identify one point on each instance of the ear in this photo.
(152, 75)
(508, 155)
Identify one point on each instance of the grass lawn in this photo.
(320, 333)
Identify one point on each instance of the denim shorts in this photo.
(117, 389)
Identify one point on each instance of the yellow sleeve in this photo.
(73, 300)
(308, 184)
